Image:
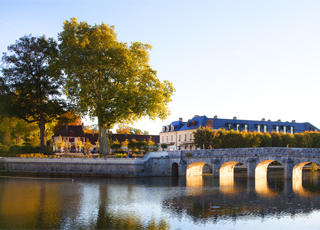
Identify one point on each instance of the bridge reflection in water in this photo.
(239, 196)
(159, 202)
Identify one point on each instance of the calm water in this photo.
(167, 203)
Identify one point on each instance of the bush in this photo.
(22, 149)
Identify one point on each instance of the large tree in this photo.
(31, 82)
(109, 79)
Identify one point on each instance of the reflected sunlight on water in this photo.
(199, 202)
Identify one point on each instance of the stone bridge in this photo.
(256, 160)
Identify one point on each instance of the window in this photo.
(171, 138)
(162, 139)
(179, 137)
(167, 139)
(190, 136)
(185, 137)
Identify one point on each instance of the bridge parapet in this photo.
(247, 152)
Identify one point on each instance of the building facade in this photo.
(180, 134)
(71, 133)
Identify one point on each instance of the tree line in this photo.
(207, 138)
(88, 72)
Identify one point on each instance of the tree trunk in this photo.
(42, 134)
(103, 141)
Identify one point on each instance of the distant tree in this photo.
(133, 145)
(70, 117)
(108, 79)
(123, 128)
(203, 137)
(78, 144)
(116, 144)
(87, 146)
(164, 146)
(30, 85)
(136, 131)
(141, 145)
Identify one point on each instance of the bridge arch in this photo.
(262, 168)
(227, 169)
(297, 169)
(195, 169)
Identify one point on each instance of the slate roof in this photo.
(177, 125)
(198, 121)
(64, 132)
(222, 123)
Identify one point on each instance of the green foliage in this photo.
(233, 139)
(288, 140)
(22, 149)
(31, 83)
(265, 140)
(123, 155)
(108, 79)
(164, 146)
(276, 139)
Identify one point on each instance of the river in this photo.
(200, 202)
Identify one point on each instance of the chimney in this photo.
(180, 119)
(215, 117)
(293, 121)
(210, 123)
(279, 120)
(196, 115)
(263, 119)
(269, 120)
(234, 118)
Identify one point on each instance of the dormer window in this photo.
(172, 127)
(71, 133)
(168, 128)
(163, 129)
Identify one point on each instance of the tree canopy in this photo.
(109, 79)
(31, 82)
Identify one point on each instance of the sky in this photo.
(250, 59)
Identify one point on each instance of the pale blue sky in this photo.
(250, 59)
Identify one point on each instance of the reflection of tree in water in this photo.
(214, 205)
(127, 221)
